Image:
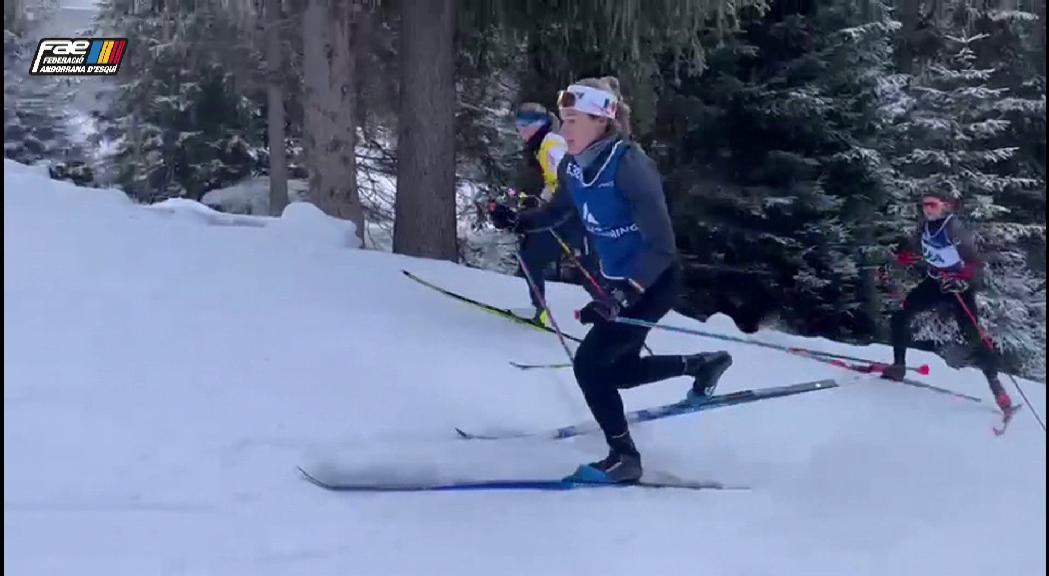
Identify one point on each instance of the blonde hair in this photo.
(621, 123)
(555, 122)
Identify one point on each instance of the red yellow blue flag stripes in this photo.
(106, 52)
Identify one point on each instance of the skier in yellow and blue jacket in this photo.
(538, 184)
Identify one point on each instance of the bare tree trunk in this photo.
(905, 55)
(275, 90)
(362, 51)
(14, 15)
(1040, 7)
(329, 102)
(424, 223)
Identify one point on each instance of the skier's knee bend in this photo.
(588, 367)
(987, 360)
(585, 372)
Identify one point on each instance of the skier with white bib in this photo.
(953, 269)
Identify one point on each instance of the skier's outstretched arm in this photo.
(554, 213)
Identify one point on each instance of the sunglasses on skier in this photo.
(932, 203)
(566, 99)
(593, 101)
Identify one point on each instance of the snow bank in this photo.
(303, 219)
(252, 196)
(32, 185)
(165, 373)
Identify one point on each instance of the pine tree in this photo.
(189, 102)
(780, 195)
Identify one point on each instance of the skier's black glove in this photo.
(598, 312)
(620, 295)
(503, 217)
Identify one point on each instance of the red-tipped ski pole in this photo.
(987, 341)
(586, 274)
(575, 262)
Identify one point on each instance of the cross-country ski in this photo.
(686, 406)
(506, 484)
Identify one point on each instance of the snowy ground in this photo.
(166, 369)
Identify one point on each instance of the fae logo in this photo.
(78, 56)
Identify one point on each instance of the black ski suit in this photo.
(933, 239)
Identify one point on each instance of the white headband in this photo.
(589, 100)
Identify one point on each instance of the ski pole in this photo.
(586, 274)
(575, 262)
(923, 369)
(984, 336)
(986, 339)
(542, 301)
(693, 331)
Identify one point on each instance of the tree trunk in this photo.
(1040, 7)
(329, 74)
(363, 32)
(425, 220)
(275, 89)
(14, 15)
(905, 55)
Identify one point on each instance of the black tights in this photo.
(609, 359)
(927, 295)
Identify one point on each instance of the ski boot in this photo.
(537, 316)
(1003, 400)
(894, 372)
(621, 466)
(1001, 397)
(706, 368)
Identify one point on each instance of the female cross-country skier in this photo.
(953, 269)
(614, 187)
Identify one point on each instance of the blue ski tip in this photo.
(589, 475)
